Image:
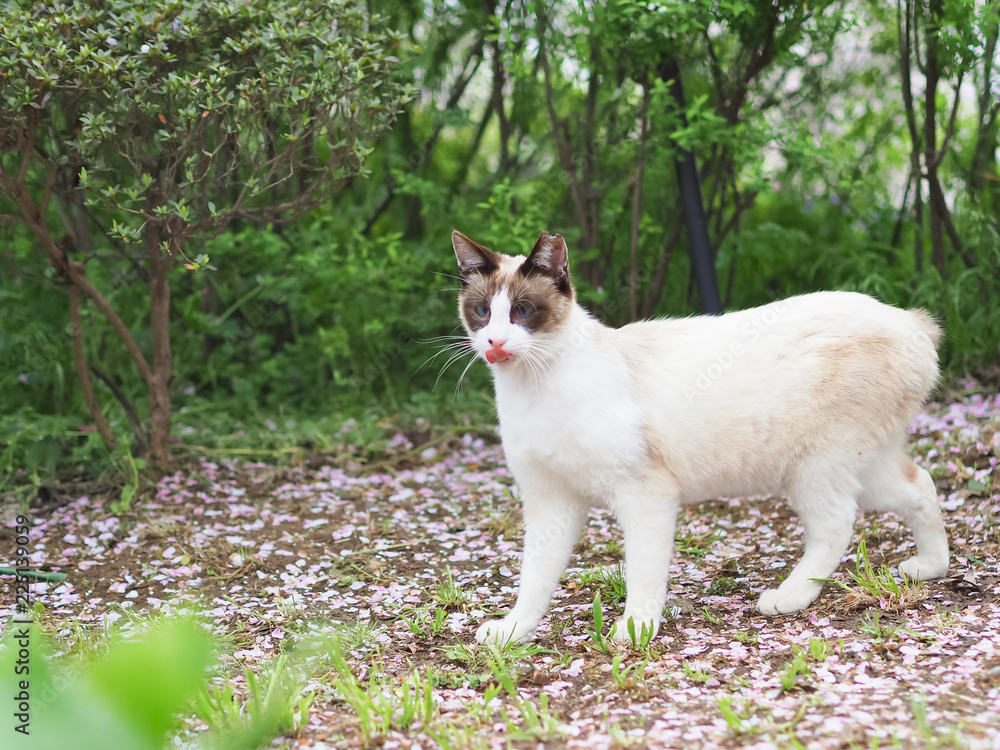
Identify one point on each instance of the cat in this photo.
(808, 398)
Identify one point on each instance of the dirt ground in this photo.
(406, 555)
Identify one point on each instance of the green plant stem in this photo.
(39, 574)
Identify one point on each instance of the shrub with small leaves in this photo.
(158, 123)
(189, 113)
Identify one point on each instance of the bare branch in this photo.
(36, 221)
(15, 219)
(950, 131)
(652, 297)
(27, 146)
(742, 204)
(915, 30)
(127, 407)
(717, 75)
(758, 59)
(80, 360)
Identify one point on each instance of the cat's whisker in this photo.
(455, 358)
(461, 344)
(438, 339)
(458, 385)
(453, 351)
(543, 356)
(551, 346)
(546, 366)
(535, 365)
(535, 372)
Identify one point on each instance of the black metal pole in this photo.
(689, 187)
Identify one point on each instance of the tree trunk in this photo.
(918, 219)
(159, 309)
(499, 78)
(984, 160)
(413, 227)
(633, 305)
(905, 13)
(930, 134)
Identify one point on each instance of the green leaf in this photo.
(129, 698)
(176, 656)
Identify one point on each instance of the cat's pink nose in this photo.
(497, 344)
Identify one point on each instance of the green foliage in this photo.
(608, 580)
(536, 722)
(131, 486)
(274, 705)
(379, 704)
(348, 315)
(111, 701)
(165, 106)
(171, 117)
(628, 677)
(878, 586)
(796, 672)
(450, 595)
(156, 125)
(109, 691)
(597, 637)
(479, 657)
(695, 674)
(639, 636)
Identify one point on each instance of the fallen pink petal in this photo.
(406, 561)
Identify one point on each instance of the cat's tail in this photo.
(928, 325)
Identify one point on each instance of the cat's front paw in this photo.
(784, 601)
(502, 632)
(641, 633)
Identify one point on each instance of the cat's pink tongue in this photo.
(497, 355)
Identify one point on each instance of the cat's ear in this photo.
(549, 257)
(472, 257)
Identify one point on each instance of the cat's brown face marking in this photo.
(537, 288)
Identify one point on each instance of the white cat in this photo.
(809, 398)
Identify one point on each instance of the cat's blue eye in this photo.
(523, 310)
(482, 311)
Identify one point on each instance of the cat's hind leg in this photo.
(822, 493)
(895, 484)
(552, 524)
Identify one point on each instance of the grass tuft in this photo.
(877, 587)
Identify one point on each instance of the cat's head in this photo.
(510, 305)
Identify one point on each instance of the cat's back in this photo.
(834, 323)
(839, 354)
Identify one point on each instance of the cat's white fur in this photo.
(809, 399)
